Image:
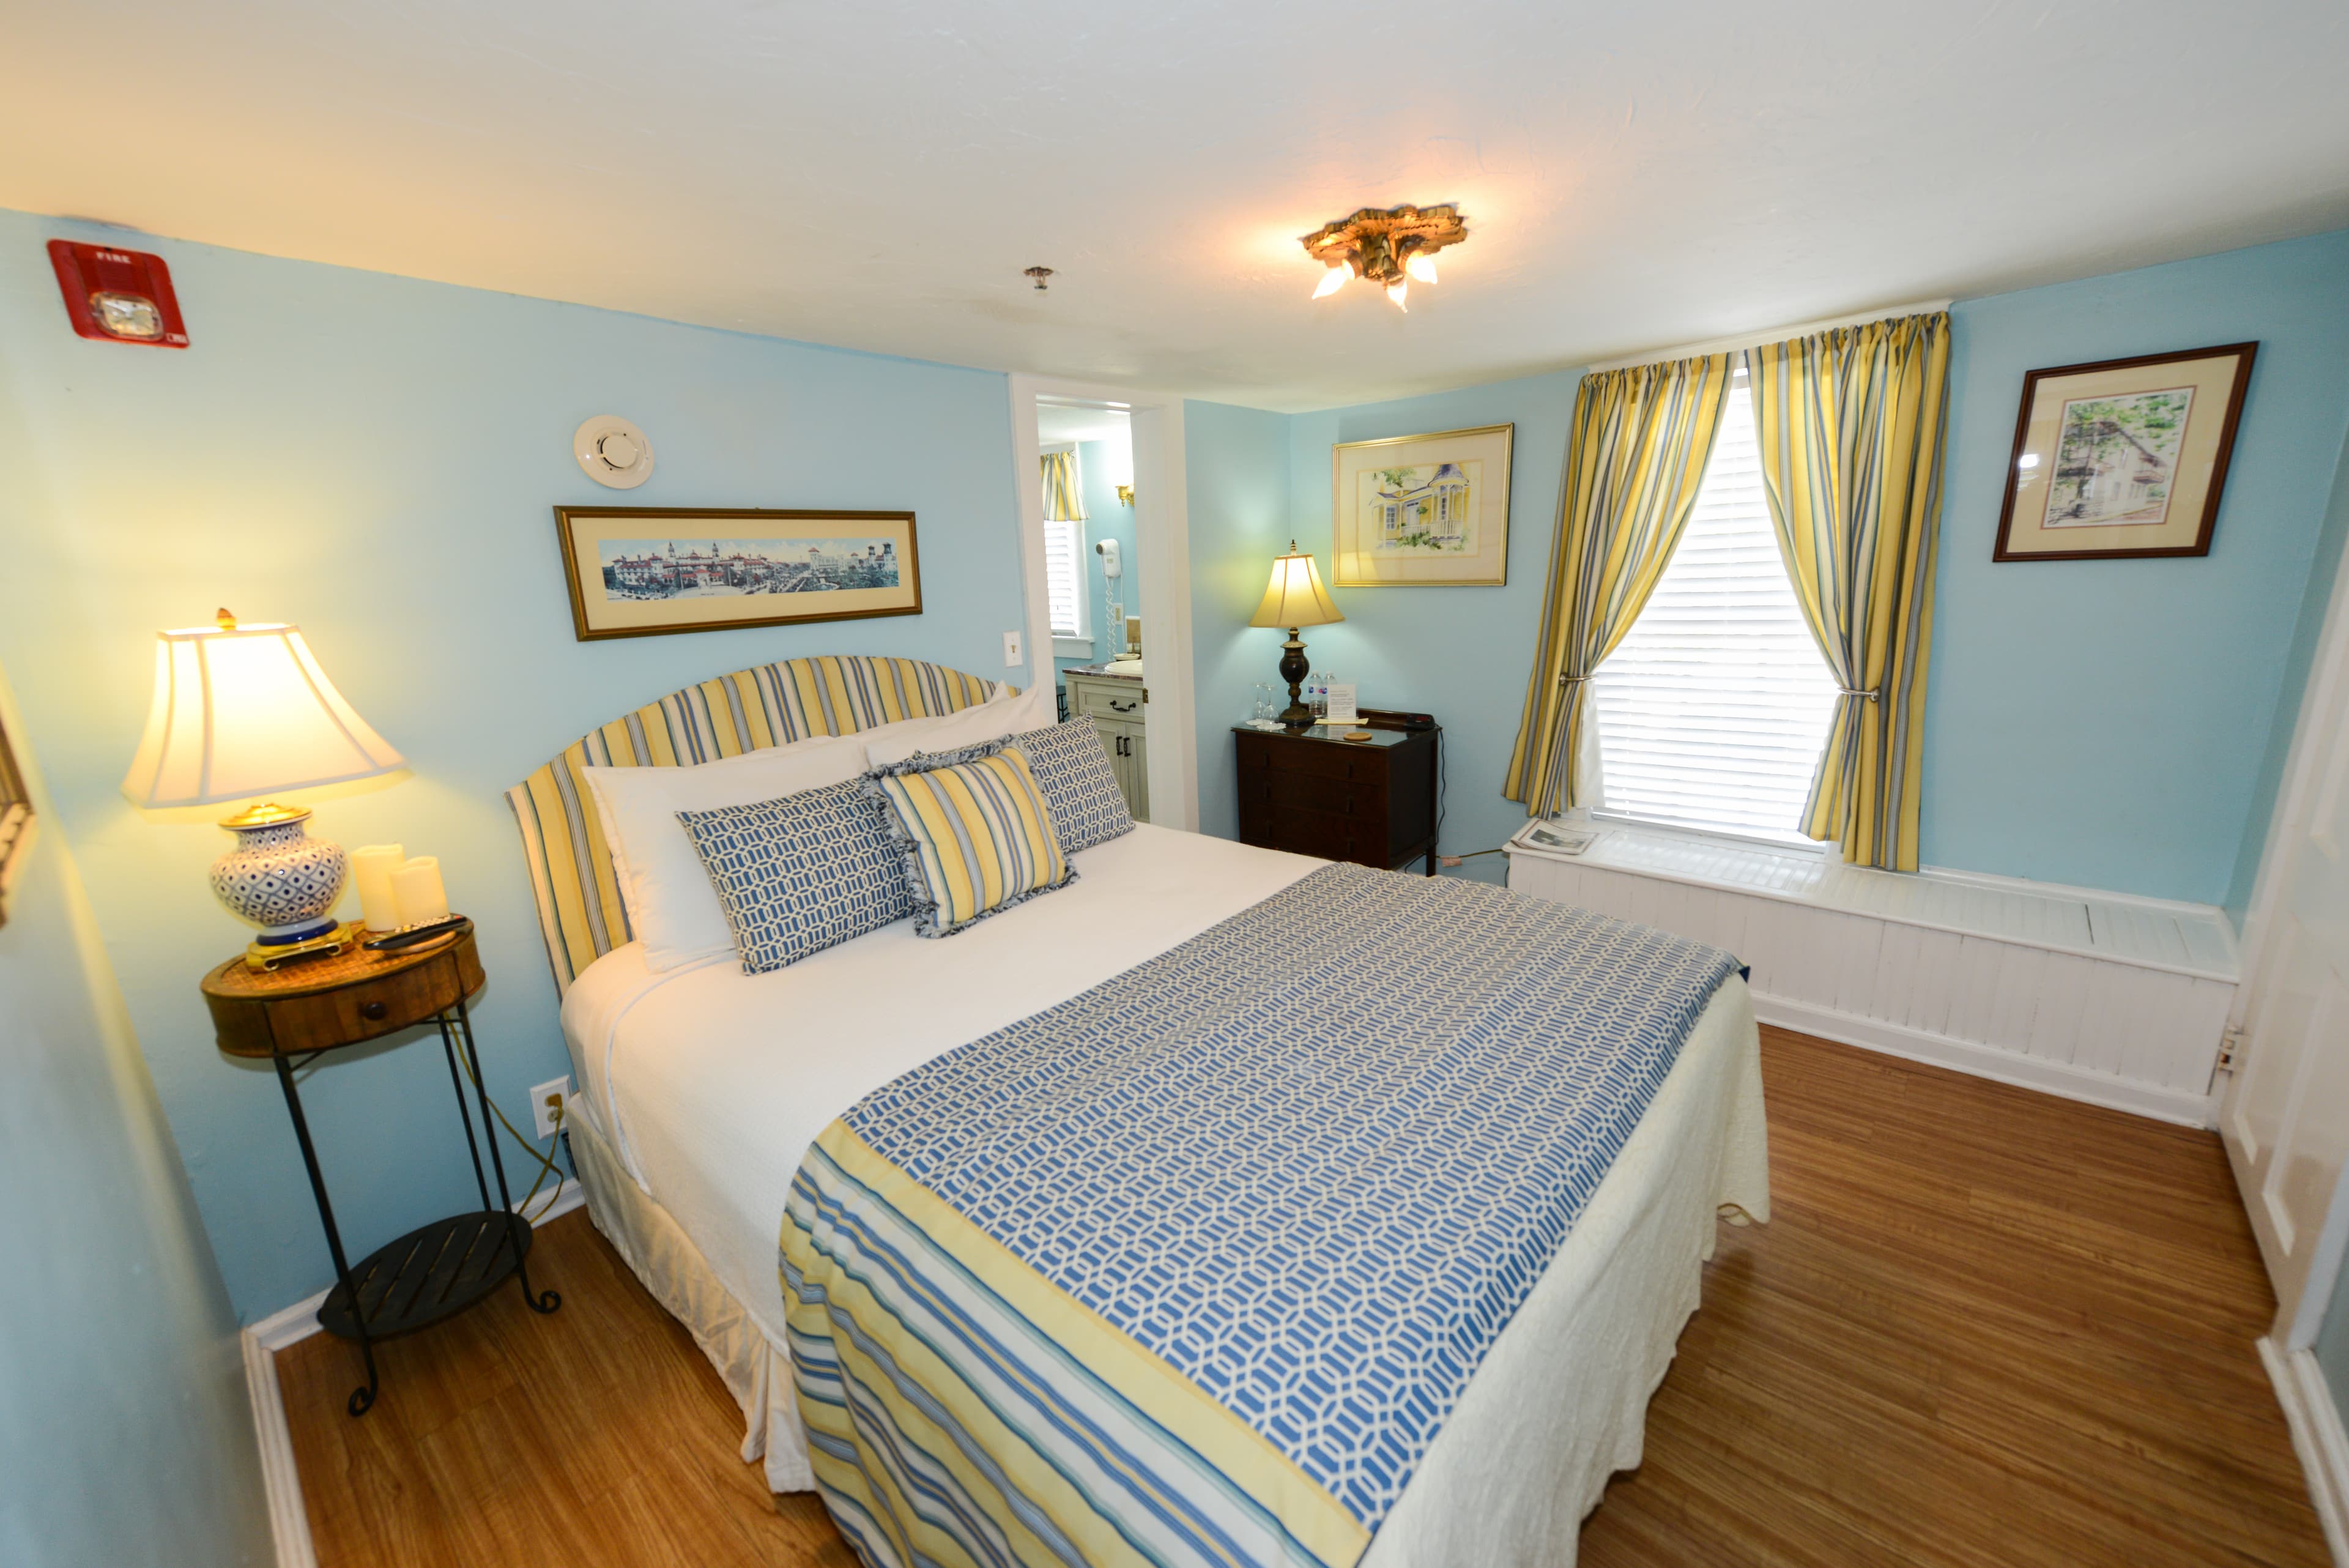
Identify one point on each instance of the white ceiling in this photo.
(876, 175)
(1060, 422)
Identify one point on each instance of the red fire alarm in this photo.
(119, 296)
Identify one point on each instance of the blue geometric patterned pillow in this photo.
(1072, 773)
(801, 874)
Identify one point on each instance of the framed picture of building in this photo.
(2123, 457)
(644, 571)
(16, 821)
(1423, 511)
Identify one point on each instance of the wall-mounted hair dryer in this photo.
(1112, 560)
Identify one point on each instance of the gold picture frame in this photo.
(16, 820)
(2123, 457)
(648, 571)
(1422, 511)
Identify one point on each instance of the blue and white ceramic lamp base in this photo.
(282, 879)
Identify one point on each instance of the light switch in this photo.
(1011, 649)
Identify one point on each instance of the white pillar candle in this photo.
(417, 886)
(371, 868)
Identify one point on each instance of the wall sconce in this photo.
(1125, 495)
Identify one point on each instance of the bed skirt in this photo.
(758, 1372)
(1561, 1402)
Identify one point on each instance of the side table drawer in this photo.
(1364, 802)
(249, 1026)
(1317, 761)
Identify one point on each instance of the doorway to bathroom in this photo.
(1103, 542)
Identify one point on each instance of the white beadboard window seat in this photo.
(2105, 997)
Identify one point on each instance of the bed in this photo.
(703, 1089)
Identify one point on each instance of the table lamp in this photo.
(242, 712)
(1294, 599)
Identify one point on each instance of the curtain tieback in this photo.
(1868, 691)
(1572, 680)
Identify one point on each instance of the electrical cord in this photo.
(1443, 793)
(545, 1161)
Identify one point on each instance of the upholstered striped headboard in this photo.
(579, 904)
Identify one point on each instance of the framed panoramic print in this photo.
(1423, 511)
(2124, 457)
(644, 571)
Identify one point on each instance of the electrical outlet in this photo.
(1011, 649)
(547, 1101)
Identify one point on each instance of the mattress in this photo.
(704, 1087)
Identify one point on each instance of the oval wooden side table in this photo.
(294, 1014)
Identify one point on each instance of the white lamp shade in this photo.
(1296, 596)
(242, 711)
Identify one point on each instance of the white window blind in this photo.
(1713, 712)
(1064, 576)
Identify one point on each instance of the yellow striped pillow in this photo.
(975, 833)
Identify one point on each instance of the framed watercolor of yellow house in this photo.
(1422, 511)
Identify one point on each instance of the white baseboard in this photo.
(289, 1522)
(288, 1518)
(2316, 1436)
(293, 1324)
(1987, 1062)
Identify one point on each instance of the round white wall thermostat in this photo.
(613, 451)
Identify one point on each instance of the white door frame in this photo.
(1161, 526)
(2327, 690)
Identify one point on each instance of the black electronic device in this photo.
(1414, 724)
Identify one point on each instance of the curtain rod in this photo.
(1772, 335)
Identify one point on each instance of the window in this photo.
(1064, 576)
(1713, 710)
(1064, 561)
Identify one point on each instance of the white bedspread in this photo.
(709, 1085)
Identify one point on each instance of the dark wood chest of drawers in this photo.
(1372, 802)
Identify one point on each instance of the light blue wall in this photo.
(125, 1433)
(2332, 1342)
(374, 457)
(2107, 722)
(1108, 518)
(2112, 724)
(1235, 472)
(1461, 654)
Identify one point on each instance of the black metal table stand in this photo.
(436, 1270)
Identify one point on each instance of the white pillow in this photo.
(671, 904)
(989, 720)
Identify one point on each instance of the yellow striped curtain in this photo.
(1642, 438)
(1851, 426)
(1062, 501)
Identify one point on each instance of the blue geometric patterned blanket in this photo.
(1191, 1268)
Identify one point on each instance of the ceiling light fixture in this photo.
(1389, 248)
(1039, 274)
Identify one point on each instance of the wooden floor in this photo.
(1985, 1326)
